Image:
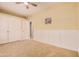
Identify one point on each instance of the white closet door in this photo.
(3, 30)
(25, 29)
(15, 30)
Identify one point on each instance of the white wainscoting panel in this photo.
(62, 38)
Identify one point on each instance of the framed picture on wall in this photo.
(48, 20)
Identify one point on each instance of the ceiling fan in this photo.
(27, 4)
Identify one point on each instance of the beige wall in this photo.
(63, 32)
(64, 16)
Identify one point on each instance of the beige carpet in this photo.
(33, 48)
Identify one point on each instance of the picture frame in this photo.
(48, 20)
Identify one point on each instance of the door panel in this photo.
(25, 29)
(3, 30)
(15, 30)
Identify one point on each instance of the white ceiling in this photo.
(20, 9)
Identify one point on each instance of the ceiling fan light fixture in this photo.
(26, 3)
